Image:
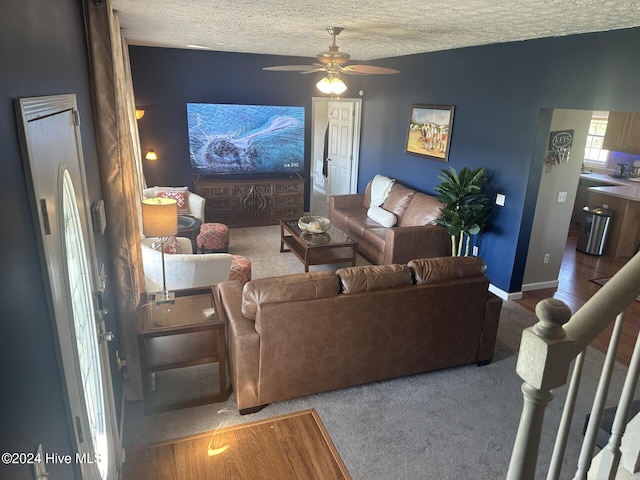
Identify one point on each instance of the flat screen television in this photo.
(245, 139)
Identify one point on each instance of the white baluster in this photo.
(543, 364)
(555, 466)
(611, 454)
(591, 435)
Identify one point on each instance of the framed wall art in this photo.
(429, 132)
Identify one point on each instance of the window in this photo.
(594, 153)
(84, 324)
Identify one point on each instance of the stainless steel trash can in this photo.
(593, 234)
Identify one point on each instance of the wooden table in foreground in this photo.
(186, 333)
(332, 246)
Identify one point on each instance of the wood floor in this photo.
(575, 288)
(293, 446)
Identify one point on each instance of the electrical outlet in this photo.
(475, 251)
(562, 197)
(500, 199)
(547, 257)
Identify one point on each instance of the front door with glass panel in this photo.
(51, 137)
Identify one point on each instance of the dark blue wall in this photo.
(42, 52)
(165, 80)
(502, 95)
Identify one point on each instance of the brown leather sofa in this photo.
(301, 334)
(415, 234)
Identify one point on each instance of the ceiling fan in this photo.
(333, 62)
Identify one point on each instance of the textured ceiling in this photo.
(373, 28)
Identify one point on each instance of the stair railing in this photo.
(547, 350)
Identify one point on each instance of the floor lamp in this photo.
(160, 219)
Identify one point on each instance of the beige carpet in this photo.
(261, 245)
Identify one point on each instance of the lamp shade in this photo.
(151, 155)
(159, 217)
(331, 84)
(139, 113)
(338, 86)
(324, 85)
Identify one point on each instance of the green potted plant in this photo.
(466, 207)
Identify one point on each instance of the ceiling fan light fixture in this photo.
(331, 85)
(338, 86)
(324, 85)
(333, 62)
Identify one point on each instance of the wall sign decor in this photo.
(559, 146)
(429, 132)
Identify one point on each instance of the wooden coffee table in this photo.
(186, 333)
(333, 246)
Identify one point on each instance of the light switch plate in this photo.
(500, 198)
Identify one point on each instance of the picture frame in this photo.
(429, 131)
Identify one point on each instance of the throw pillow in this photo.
(398, 199)
(422, 210)
(380, 215)
(171, 245)
(178, 193)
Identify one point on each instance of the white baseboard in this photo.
(319, 190)
(525, 288)
(504, 295)
(540, 285)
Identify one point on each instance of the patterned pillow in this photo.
(171, 245)
(178, 193)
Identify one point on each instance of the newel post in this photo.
(543, 363)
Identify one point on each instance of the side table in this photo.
(186, 333)
(189, 226)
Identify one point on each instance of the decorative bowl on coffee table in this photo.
(314, 224)
(315, 239)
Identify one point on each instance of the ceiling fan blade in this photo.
(314, 70)
(292, 68)
(367, 70)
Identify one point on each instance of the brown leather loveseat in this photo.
(415, 234)
(300, 334)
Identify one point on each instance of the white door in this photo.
(51, 138)
(343, 136)
(319, 135)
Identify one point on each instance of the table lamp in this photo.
(160, 219)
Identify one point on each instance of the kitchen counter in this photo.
(605, 180)
(631, 191)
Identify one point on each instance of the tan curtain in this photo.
(121, 173)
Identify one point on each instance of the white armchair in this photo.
(195, 203)
(183, 270)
